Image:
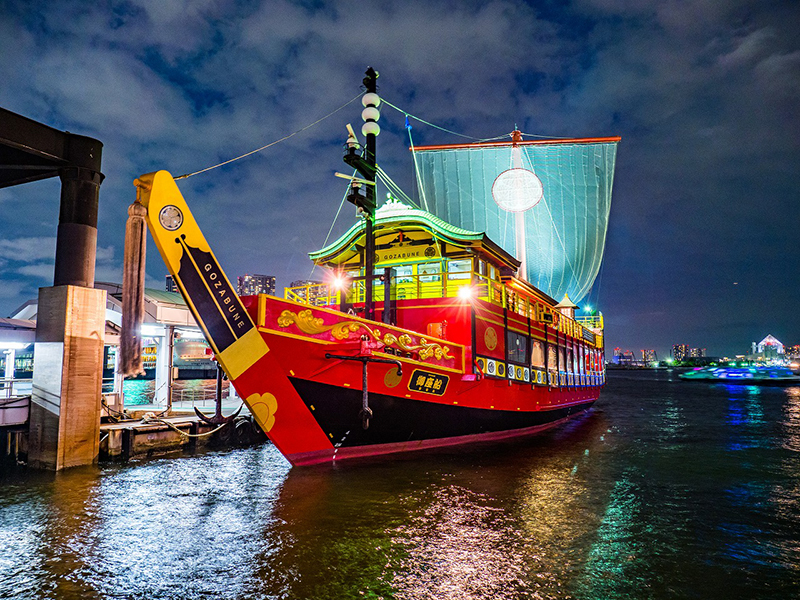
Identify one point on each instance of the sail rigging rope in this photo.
(469, 137)
(283, 139)
(407, 114)
(554, 225)
(339, 210)
(394, 188)
(545, 137)
(416, 168)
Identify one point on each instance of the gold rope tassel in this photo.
(133, 291)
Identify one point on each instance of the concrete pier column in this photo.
(162, 369)
(67, 378)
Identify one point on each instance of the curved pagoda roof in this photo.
(395, 215)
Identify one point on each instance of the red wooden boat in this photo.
(447, 343)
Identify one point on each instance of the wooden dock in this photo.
(142, 436)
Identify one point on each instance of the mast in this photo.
(369, 247)
(519, 217)
(365, 164)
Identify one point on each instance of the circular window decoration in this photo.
(517, 190)
(170, 217)
(490, 338)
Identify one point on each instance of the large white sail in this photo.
(565, 231)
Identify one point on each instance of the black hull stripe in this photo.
(399, 420)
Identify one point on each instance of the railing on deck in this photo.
(448, 285)
(591, 322)
(319, 294)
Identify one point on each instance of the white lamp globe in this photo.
(370, 127)
(370, 113)
(370, 99)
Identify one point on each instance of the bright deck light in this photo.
(466, 292)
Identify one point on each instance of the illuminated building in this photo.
(622, 357)
(770, 348)
(680, 352)
(649, 356)
(249, 285)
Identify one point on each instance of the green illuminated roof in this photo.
(396, 215)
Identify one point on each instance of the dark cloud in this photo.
(703, 93)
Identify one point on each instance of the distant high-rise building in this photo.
(680, 352)
(171, 285)
(250, 285)
(315, 290)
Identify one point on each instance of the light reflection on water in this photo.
(141, 391)
(668, 490)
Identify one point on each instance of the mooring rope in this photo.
(151, 418)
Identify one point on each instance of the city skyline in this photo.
(703, 95)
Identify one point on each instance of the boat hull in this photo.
(402, 424)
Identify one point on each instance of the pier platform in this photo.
(149, 431)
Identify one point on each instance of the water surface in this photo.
(667, 489)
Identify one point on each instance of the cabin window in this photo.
(403, 273)
(516, 347)
(459, 269)
(482, 270)
(537, 354)
(551, 357)
(522, 306)
(562, 359)
(429, 272)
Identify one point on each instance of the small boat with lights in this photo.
(426, 332)
(743, 375)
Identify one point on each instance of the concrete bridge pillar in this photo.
(67, 378)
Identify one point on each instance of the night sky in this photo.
(702, 246)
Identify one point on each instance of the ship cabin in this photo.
(457, 285)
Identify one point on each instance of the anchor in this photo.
(218, 419)
(366, 412)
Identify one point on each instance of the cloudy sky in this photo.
(702, 247)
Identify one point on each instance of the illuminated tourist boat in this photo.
(744, 375)
(425, 334)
